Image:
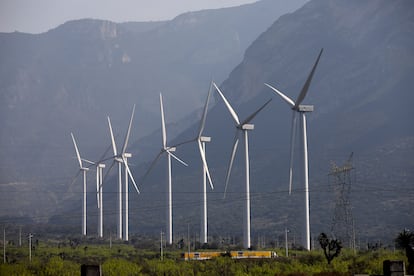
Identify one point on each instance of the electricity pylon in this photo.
(343, 222)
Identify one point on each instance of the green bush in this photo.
(57, 266)
(115, 267)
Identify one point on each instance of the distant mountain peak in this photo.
(106, 29)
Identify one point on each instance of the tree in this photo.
(331, 248)
(405, 240)
(118, 266)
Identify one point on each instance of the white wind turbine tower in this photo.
(83, 170)
(169, 151)
(122, 158)
(99, 189)
(99, 195)
(242, 126)
(297, 107)
(99, 181)
(201, 141)
(99, 165)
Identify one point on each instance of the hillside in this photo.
(361, 93)
(70, 78)
(362, 96)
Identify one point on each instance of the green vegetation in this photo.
(54, 258)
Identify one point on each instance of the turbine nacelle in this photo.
(247, 127)
(127, 155)
(304, 108)
(205, 139)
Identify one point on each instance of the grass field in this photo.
(66, 258)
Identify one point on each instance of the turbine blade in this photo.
(130, 175)
(164, 131)
(112, 137)
(129, 130)
(203, 158)
(203, 118)
(292, 147)
(74, 179)
(101, 159)
(231, 110)
(77, 151)
(176, 158)
(183, 143)
(88, 161)
(97, 187)
(305, 88)
(233, 154)
(251, 117)
(284, 97)
(151, 166)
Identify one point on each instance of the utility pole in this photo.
(353, 236)
(286, 242)
(20, 236)
(188, 239)
(161, 253)
(30, 246)
(4, 245)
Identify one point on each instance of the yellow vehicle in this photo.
(201, 255)
(233, 254)
(253, 254)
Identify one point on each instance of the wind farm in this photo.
(233, 160)
(241, 126)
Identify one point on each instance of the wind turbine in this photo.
(244, 127)
(122, 158)
(99, 185)
(99, 181)
(297, 107)
(83, 170)
(169, 151)
(201, 141)
(99, 195)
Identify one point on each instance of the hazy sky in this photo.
(35, 16)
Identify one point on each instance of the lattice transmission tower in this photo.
(343, 221)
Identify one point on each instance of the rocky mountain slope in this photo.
(70, 78)
(362, 96)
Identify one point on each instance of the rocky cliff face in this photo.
(70, 78)
(362, 96)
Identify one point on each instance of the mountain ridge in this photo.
(70, 78)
